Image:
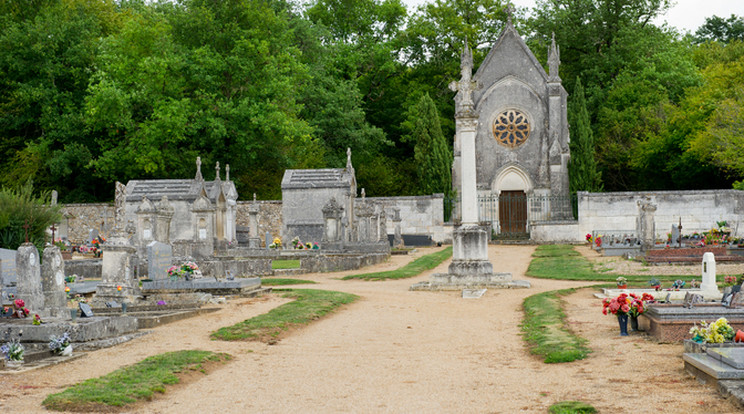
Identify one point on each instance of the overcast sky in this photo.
(684, 15)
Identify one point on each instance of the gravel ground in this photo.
(400, 351)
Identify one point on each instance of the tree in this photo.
(19, 207)
(721, 30)
(582, 169)
(432, 154)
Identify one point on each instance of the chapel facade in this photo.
(522, 135)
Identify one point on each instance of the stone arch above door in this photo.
(512, 178)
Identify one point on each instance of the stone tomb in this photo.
(8, 274)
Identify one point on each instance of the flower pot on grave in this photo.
(623, 322)
(634, 323)
(622, 286)
(67, 351)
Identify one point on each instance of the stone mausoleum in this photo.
(521, 137)
(192, 215)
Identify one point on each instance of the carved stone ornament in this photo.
(511, 128)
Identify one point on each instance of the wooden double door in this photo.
(513, 212)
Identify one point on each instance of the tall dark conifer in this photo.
(582, 169)
(432, 154)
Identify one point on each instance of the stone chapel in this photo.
(522, 137)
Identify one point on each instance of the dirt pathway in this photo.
(400, 351)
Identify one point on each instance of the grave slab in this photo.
(730, 356)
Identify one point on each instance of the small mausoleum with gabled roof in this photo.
(306, 192)
(182, 212)
(522, 137)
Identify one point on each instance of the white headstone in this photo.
(709, 273)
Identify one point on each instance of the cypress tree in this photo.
(582, 169)
(432, 153)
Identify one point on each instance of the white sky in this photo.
(684, 15)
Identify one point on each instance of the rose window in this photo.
(511, 128)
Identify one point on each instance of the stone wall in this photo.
(269, 217)
(699, 210)
(420, 215)
(80, 218)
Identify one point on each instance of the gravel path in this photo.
(400, 351)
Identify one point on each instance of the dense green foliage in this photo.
(307, 306)
(582, 168)
(544, 329)
(129, 384)
(98, 91)
(432, 155)
(412, 269)
(20, 208)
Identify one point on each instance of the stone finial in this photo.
(554, 61)
(254, 197)
(227, 172)
(198, 170)
(348, 159)
(364, 194)
(55, 195)
(509, 9)
(164, 206)
(217, 171)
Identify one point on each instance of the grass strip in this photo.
(130, 384)
(544, 329)
(271, 281)
(412, 269)
(565, 263)
(309, 305)
(571, 407)
(285, 264)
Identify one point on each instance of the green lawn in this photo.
(545, 331)
(412, 269)
(307, 306)
(285, 264)
(129, 384)
(563, 262)
(271, 281)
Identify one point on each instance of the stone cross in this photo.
(465, 86)
(53, 228)
(227, 172)
(217, 169)
(26, 227)
(509, 9)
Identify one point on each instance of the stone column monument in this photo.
(254, 242)
(470, 267)
(398, 236)
(646, 224)
(117, 273)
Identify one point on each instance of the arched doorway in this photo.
(511, 185)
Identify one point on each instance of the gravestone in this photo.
(117, 273)
(8, 276)
(92, 235)
(159, 259)
(29, 277)
(675, 235)
(269, 240)
(53, 283)
(709, 273)
(647, 224)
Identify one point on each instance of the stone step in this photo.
(288, 272)
(709, 369)
(733, 356)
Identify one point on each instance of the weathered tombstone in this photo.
(53, 283)
(92, 235)
(29, 277)
(117, 273)
(8, 276)
(647, 224)
(332, 234)
(159, 259)
(674, 235)
(398, 237)
(709, 273)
